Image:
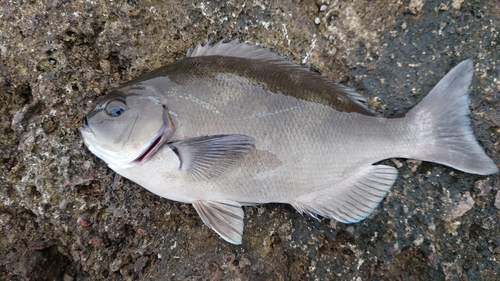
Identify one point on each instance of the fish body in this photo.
(234, 124)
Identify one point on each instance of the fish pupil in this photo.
(115, 110)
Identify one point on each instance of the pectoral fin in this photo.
(353, 199)
(224, 217)
(208, 157)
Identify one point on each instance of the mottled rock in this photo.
(65, 216)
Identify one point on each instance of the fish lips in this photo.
(85, 126)
(84, 129)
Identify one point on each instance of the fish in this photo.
(234, 124)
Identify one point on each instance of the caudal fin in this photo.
(445, 133)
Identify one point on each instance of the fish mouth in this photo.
(165, 132)
(157, 143)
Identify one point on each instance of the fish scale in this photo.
(235, 124)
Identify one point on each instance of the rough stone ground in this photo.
(65, 216)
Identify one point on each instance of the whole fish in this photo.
(234, 124)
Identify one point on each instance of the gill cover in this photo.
(127, 126)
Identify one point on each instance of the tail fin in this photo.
(444, 125)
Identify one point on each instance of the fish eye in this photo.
(115, 108)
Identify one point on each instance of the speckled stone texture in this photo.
(65, 216)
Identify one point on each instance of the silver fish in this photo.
(234, 124)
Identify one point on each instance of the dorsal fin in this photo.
(236, 49)
(356, 97)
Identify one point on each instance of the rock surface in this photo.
(65, 216)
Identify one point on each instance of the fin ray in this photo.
(446, 135)
(353, 199)
(236, 49)
(209, 157)
(338, 93)
(224, 217)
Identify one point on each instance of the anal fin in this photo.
(224, 217)
(353, 199)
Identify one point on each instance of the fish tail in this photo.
(443, 126)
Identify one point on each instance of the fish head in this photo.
(127, 127)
